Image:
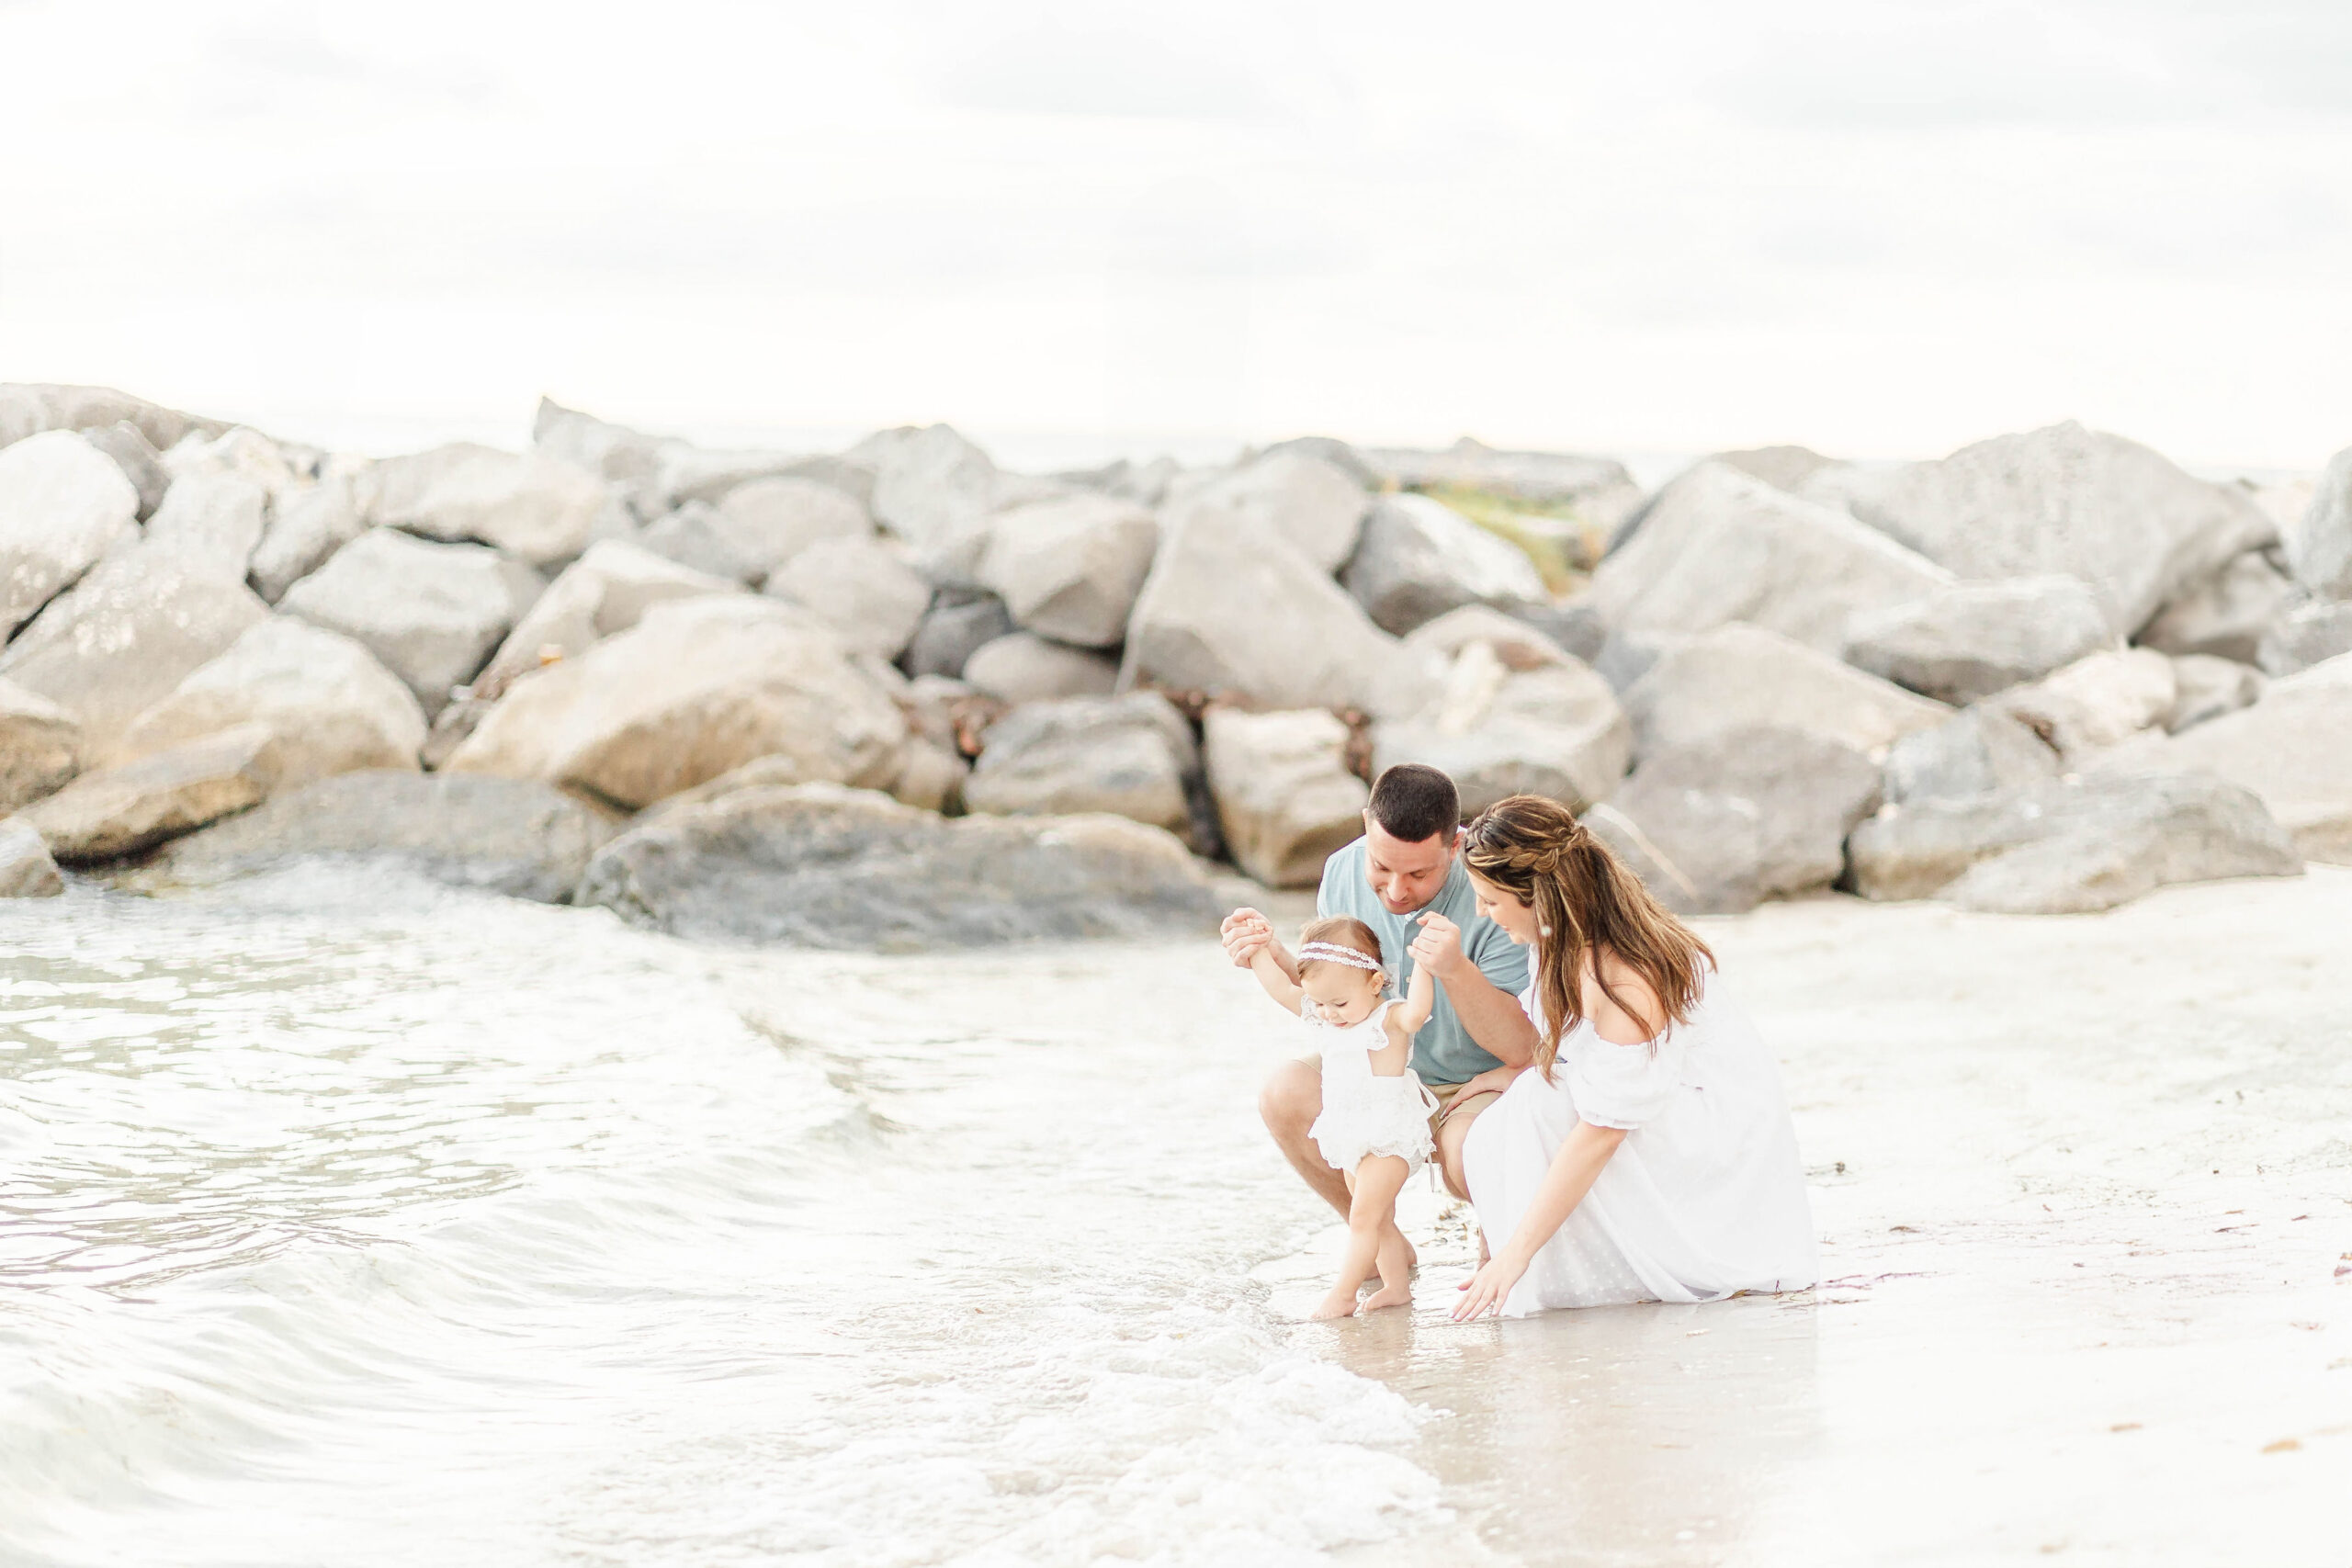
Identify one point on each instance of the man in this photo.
(1406, 879)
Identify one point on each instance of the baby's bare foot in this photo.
(1389, 1296)
(1341, 1303)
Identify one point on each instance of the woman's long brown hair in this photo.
(1585, 902)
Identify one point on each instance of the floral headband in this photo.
(1333, 953)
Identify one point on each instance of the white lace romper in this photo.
(1364, 1113)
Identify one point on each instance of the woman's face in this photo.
(1505, 909)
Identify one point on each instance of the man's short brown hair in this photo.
(1414, 802)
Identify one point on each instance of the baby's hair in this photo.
(1340, 931)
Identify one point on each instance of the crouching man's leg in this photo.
(1289, 1103)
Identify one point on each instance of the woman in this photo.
(1648, 1155)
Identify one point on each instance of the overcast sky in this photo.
(1878, 228)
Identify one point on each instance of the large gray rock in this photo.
(1290, 496)
(2306, 635)
(431, 612)
(140, 462)
(2070, 846)
(698, 537)
(41, 747)
(534, 507)
(64, 504)
(930, 484)
(953, 629)
(1720, 546)
(1285, 798)
(609, 451)
(1576, 624)
(2319, 548)
(329, 707)
(2096, 703)
(212, 519)
(694, 473)
(1519, 643)
(2064, 499)
(860, 587)
(1329, 448)
(2207, 687)
(1132, 756)
(1971, 639)
(1978, 750)
(1229, 610)
(2293, 747)
(240, 454)
(135, 627)
(121, 810)
(1071, 569)
(27, 869)
(1783, 468)
(28, 408)
(1742, 677)
(774, 518)
(1418, 558)
(819, 865)
(1555, 729)
(606, 591)
(2225, 615)
(507, 836)
(699, 687)
(1720, 825)
(1025, 667)
(307, 526)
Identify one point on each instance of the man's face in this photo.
(1405, 876)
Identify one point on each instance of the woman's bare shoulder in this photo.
(1634, 1016)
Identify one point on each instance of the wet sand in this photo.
(2085, 1191)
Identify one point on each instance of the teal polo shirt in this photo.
(1443, 1052)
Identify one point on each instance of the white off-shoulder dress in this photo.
(1705, 1197)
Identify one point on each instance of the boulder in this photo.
(611, 452)
(2098, 702)
(2319, 548)
(28, 408)
(773, 519)
(694, 473)
(1284, 796)
(1719, 826)
(2064, 499)
(1783, 468)
(929, 483)
(1740, 677)
(238, 453)
(1229, 610)
(536, 508)
(2225, 615)
(129, 632)
(41, 747)
(1719, 545)
(27, 870)
(2070, 845)
(859, 586)
(1417, 559)
(1971, 639)
(1519, 644)
(1071, 569)
(1978, 750)
(134, 805)
(2293, 747)
(1299, 500)
(307, 526)
(1555, 729)
(1132, 756)
(1329, 449)
(2306, 635)
(329, 707)
(64, 504)
(140, 462)
(1025, 667)
(820, 865)
(1537, 478)
(699, 687)
(213, 520)
(2205, 688)
(507, 836)
(431, 612)
(606, 592)
(698, 537)
(1576, 624)
(954, 627)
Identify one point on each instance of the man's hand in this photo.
(1439, 947)
(1245, 931)
(1494, 1080)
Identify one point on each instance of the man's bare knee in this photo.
(1291, 1098)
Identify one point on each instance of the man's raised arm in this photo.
(1491, 1015)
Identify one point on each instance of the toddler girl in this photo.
(1374, 1125)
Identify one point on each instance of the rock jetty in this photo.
(898, 695)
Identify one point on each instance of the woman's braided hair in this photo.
(1589, 906)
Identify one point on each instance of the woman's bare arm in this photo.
(1573, 1169)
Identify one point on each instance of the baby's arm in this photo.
(1279, 986)
(1405, 1020)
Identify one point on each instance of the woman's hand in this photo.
(1485, 1291)
(1438, 949)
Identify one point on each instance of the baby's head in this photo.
(1339, 969)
